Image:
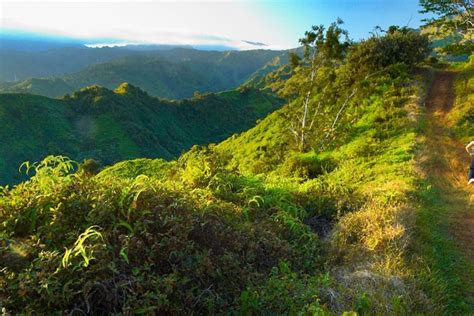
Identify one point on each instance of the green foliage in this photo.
(90, 167)
(462, 116)
(397, 46)
(266, 147)
(273, 81)
(130, 169)
(362, 305)
(79, 248)
(222, 229)
(200, 167)
(287, 293)
(325, 50)
(328, 44)
(294, 60)
(335, 75)
(156, 238)
(309, 165)
(452, 22)
(109, 126)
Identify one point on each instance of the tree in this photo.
(334, 74)
(323, 50)
(452, 18)
(294, 60)
(197, 95)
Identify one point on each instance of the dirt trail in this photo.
(448, 165)
(452, 163)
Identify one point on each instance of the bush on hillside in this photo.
(309, 165)
(397, 46)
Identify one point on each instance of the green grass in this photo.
(446, 270)
(130, 169)
(463, 114)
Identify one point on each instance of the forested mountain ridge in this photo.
(115, 125)
(18, 65)
(173, 74)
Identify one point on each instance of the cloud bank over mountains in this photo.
(11, 39)
(225, 24)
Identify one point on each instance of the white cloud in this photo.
(227, 23)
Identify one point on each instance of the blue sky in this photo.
(277, 23)
(360, 16)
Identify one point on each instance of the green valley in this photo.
(109, 126)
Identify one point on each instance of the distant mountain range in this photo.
(45, 109)
(171, 73)
(115, 125)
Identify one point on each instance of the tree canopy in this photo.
(452, 19)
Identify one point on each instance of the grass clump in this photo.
(462, 116)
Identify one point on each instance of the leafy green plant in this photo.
(80, 248)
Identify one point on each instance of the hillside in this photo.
(260, 223)
(446, 215)
(172, 74)
(115, 125)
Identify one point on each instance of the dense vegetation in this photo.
(463, 116)
(126, 123)
(257, 224)
(173, 74)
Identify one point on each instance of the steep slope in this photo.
(32, 126)
(121, 124)
(197, 235)
(249, 226)
(271, 77)
(174, 74)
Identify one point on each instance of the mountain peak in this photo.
(92, 90)
(127, 88)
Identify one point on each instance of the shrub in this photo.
(309, 165)
(398, 45)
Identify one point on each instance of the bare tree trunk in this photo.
(300, 134)
(338, 115)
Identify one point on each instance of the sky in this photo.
(276, 23)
